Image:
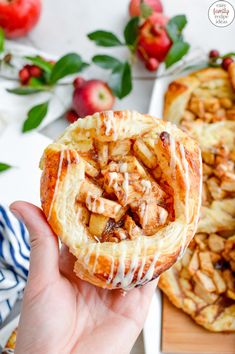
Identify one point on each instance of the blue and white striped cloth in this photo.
(14, 260)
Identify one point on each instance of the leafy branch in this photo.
(52, 73)
(179, 47)
(121, 79)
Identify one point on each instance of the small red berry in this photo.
(78, 82)
(35, 71)
(71, 116)
(152, 64)
(214, 53)
(24, 75)
(226, 62)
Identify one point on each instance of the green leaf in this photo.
(35, 116)
(145, 10)
(231, 54)
(69, 64)
(27, 90)
(180, 21)
(4, 167)
(41, 63)
(121, 80)
(37, 83)
(175, 27)
(2, 40)
(176, 52)
(106, 61)
(104, 39)
(131, 30)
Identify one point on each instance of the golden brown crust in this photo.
(179, 91)
(77, 169)
(11, 341)
(202, 284)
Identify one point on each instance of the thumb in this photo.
(44, 252)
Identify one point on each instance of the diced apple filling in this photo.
(120, 193)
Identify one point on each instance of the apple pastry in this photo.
(202, 283)
(11, 342)
(122, 190)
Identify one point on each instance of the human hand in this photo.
(62, 314)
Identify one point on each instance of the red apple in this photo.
(18, 17)
(134, 7)
(153, 40)
(93, 96)
(71, 116)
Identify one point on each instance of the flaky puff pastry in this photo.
(202, 283)
(11, 342)
(122, 191)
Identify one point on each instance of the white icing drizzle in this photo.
(97, 252)
(125, 184)
(118, 279)
(162, 215)
(127, 281)
(187, 190)
(116, 208)
(122, 235)
(112, 264)
(123, 167)
(173, 154)
(146, 184)
(97, 239)
(89, 203)
(113, 180)
(150, 272)
(96, 206)
(173, 157)
(57, 183)
(101, 207)
(144, 213)
(143, 262)
(125, 122)
(110, 124)
(186, 182)
(98, 128)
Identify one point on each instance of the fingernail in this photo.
(16, 214)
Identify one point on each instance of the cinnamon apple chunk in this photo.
(151, 216)
(97, 224)
(102, 206)
(145, 155)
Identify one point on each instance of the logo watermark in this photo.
(221, 13)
